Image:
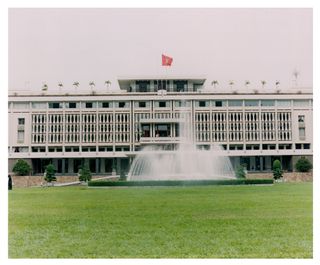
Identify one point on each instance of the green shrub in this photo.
(21, 168)
(277, 169)
(50, 173)
(85, 173)
(240, 172)
(303, 165)
(179, 182)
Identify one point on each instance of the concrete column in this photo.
(268, 163)
(102, 165)
(118, 165)
(252, 163)
(63, 165)
(261, 163)
(70, 165)
(97, 166)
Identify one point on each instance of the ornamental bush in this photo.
(85, 173)
(277, 170)
(21, 168)
(50, 173)
(303, 165)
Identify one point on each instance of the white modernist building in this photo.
(108, 128)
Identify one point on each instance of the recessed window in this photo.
(298, 146)
(72, 105)
(301, 118)
(21, 121)
(142, 104)
(162, 104)
(202, 103)
(306, 146)
(89, 105)
(218, 104)
(122, 104)
(105, 104)
(55, 105)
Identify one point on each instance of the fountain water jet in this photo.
(185, 163)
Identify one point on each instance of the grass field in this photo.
(165, 222)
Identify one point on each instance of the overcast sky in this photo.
(67, 45)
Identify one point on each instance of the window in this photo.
(89, 105)
(235, 103)
(122, 104)
(251, 103)
(267, 103)
(162, 104)
(105, 104)
(301, 103)
(142, 104)
(20, 105)
(20, 136)
(302, 133)
(72, 105)
(182, 103)
(21, 121)
(39, 105)
(306, 146)
(298, 146)
(284, 103)
(202, 104)
(55, 105)
(300, 118)
(218, 104)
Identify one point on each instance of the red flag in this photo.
(166, 60)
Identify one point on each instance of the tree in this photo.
(277, 169)
(240, 171)
(50, 173)
(303, 165)
(21, 168)
(85, 173)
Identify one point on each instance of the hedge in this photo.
(178, 182)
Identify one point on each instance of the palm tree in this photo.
(92, 84)
(296, 74)
(263, 82)
(60, 85)
(107, 83)
(44, 87)
(76, 84)
(214, 83)
(231, 83)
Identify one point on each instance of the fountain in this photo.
(187, 162)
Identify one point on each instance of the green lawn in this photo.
(162, 222)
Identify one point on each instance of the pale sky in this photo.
(67, 45)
